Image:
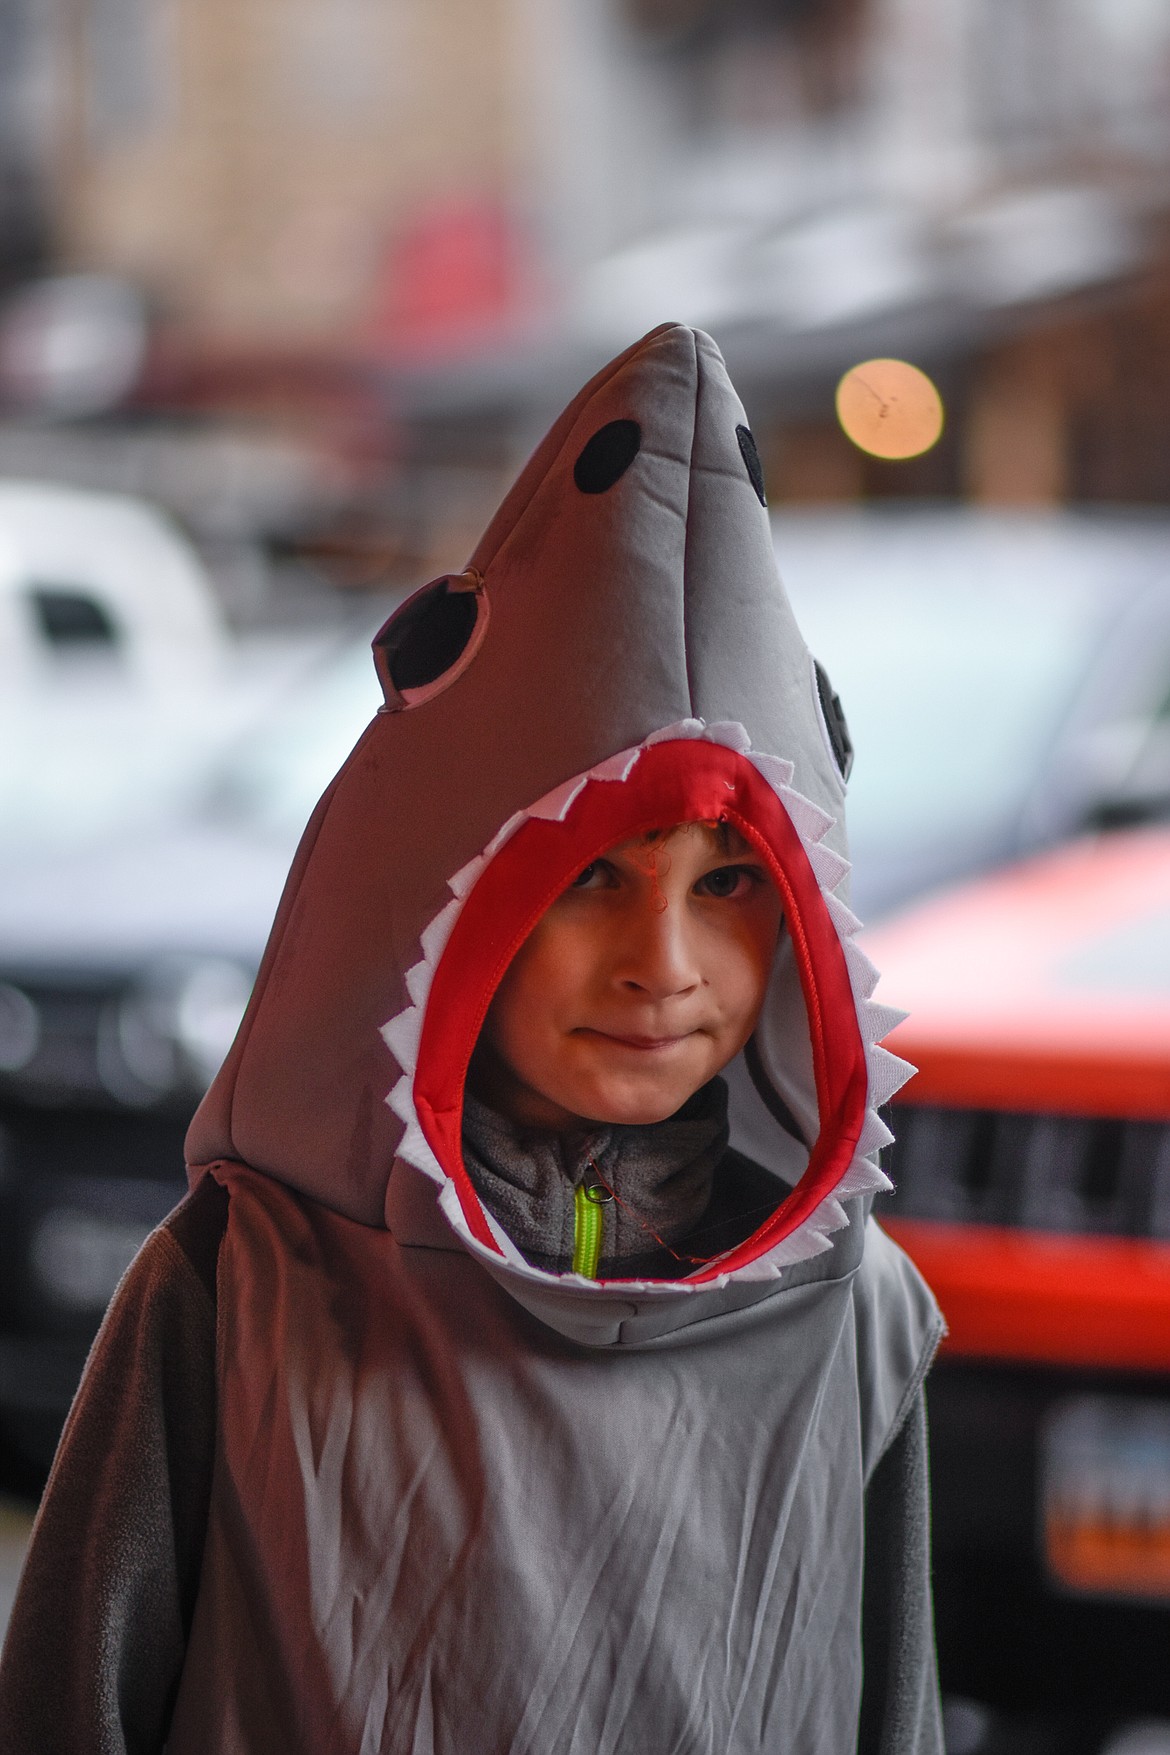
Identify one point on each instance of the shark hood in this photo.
(618, 655)
(459, 1502)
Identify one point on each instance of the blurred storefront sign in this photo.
(458, 277)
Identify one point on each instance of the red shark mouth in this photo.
(685, 773)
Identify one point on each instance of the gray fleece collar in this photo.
(661, 1177)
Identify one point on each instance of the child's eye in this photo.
(729, 882)
(594, 877)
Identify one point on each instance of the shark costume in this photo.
(351, 1470)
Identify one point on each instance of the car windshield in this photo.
(94, 761)
(956, 645)
(92, 766)
(275, 776)
(956, 653)
(953, 677)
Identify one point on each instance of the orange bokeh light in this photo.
(889, 408)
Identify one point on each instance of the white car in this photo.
(112, 644)
(102, 581)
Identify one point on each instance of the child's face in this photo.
(637, 985)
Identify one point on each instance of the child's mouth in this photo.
(643, 1044)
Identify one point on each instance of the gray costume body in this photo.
(456, 1501)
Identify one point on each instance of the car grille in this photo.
(79, 1191)
(37, 1145)
(64, 1065)
(1041, 1172)
(61, 1043)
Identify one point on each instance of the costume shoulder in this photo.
(113, 1566)
(899, 1326)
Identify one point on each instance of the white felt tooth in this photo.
(414, 1148)
(453, 1211)
(878, 1020)
(874, 1134)
(887, 1074)
(830, 1215)
(818, 1234)
(401, 1100)
(843, 918)
(554, 806)
(434, 937)
(811, 822)
(618, 767)
(401, 1036)
(418, 982)
(829, 867)
(789, 1251)
(681, 728)
(862, 1177)
(714, 1284)
(776, 771)
(504, 834)
(802, 1244)
(764, 1268)
(731, 734)
(461, 883)
(822, 1226)
(507, 1248)
(863, 975)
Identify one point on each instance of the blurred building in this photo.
(414, 225)
(250, 163)
(26, 138)
(979, 185)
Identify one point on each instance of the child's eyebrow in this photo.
(730, 844)
(726, 837)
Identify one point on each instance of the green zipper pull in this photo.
(588, 1221)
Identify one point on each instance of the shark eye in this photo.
(833, 724)
(605, 457)
(431, 639)
(751, 461)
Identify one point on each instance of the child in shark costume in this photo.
(360, 1462)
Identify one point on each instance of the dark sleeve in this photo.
(99, 1627)
(900, 1712)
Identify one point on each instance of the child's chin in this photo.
(638, 1109)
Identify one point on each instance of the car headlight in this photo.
(207, 1012)
(78, 1258)
(170, 1033)
(20, 1028)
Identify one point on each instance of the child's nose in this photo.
(658, 953)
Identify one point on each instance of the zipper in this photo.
(588, 1223)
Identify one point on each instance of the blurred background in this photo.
(313, 274)
(289, 288)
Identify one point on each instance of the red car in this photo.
(1032, 1186)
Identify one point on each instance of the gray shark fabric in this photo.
(460, 1498)
(97, 1639)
